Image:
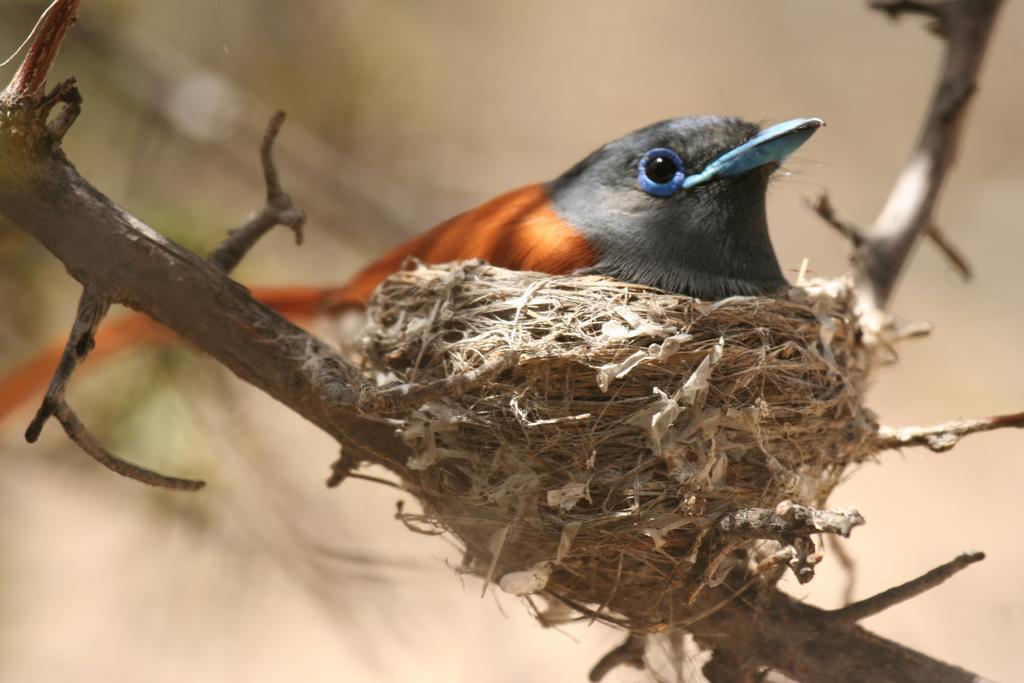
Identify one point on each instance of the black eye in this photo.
(661, 172)
(661, 169)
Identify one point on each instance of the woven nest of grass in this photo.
(581, 437)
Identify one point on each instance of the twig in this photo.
(728, 666)
(862, 609)
(278, 209)
(92, 308)
(852, 232)
(77, 432)
(950, 251)
(792, 525)
(805, 643)
(118, 254)
(29, 82)
(897, 8)
(66, 93)
(787, 522)
(629, 653)
(341, 469)
(344, 468)
(827, 212)
(966, 26)
(940, 438)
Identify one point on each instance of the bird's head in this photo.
(680, 205)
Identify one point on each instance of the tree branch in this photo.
(940, 438)
(29, 81)
(852, 232)
(787, 521)
(863, 609)
(807, 643)
(952, 252)
(92, 308)
(111, 251)
(278, 210)
(966, 26)
(77, 432)
(827, 212)
(630, 653)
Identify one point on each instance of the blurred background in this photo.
(401, 113)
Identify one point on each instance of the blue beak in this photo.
(773, 144)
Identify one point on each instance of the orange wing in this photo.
(518, 230)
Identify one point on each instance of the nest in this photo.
(582, 437)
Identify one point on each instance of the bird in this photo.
(679, 205)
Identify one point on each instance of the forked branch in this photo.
(113, 253)
(278, 209)
(92, 308)
(966, 27)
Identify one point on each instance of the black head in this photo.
(680, 205)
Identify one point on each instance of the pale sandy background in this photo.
(403, 112)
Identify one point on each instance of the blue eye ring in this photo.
(651, 177)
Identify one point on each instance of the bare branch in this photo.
(852, 232)
(29, 82)
(823, 207)
(65, 93)
(341, 469)
(113, 252)
(77, 432)
(950, 251)
(791, 525)
(897, 8)
(92, 308)
(940, 438)
(728, 666)
(629, 653)
(787, 521)
(278, 209)
(863, 609)
(807, 643)
(966, 25)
